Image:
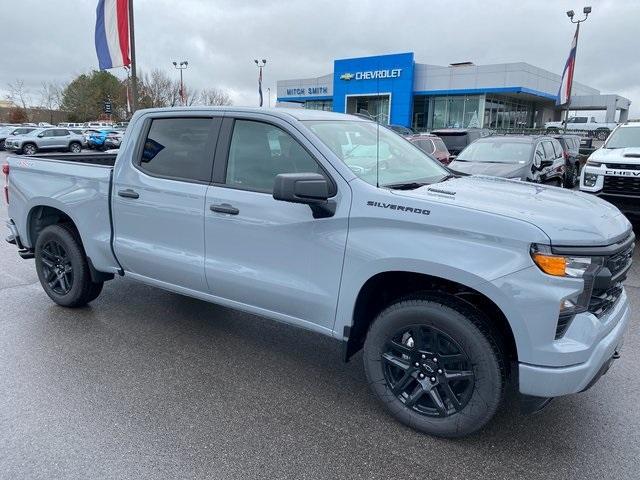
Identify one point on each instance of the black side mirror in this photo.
(309, 188)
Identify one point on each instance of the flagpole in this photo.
(132, 48)
(566, 114)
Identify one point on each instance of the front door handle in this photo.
(224, 208)
(128, 193)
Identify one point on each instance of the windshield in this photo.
(624, 137)
(496, 152)
(377, 155)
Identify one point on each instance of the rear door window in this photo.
(180, 148)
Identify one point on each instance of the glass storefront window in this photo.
(326, 105)
(457, 111)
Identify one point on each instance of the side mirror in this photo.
(309, 188)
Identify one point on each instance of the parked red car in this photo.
(432, 145)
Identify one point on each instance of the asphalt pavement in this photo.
(146, 384)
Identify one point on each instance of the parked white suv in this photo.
(587, 124)
(613, 171)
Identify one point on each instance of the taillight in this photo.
(5, 171)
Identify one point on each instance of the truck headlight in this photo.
(590, 179)
(563, 266)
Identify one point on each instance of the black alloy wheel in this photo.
(428, 371)
(57, 268)
(436, 364)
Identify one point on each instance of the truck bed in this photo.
(79, 185)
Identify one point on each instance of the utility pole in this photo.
(260, 66)
(571, 14)
(132, 51)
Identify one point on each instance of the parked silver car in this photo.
(11, 131)
(45, 139)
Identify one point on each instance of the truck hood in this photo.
(615, 154)
(567, 217)
(506, 170)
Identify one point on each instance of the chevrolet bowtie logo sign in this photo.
(347, 76)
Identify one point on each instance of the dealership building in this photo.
(397, 90)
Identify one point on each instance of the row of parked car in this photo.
(32, 139)
(550, 159)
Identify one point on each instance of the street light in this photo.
(571, 14)
(260, 66)
(181, 66)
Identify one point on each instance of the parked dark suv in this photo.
(571, 146)
(456, 139)
(531, 159)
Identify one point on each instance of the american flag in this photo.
(564, 93)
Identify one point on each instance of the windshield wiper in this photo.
(406, 185)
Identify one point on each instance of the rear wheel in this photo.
(572, 175)
(75, 147)
(602, 134)
(62, 267)
(433, 363)
(29, 149)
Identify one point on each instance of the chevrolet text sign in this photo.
(372, 74)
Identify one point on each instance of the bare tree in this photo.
(18, 94)
(215, 97)
(157, 89)
(50, 98)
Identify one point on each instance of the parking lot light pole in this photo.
(260, 66)
(571, 14)
(181, 66)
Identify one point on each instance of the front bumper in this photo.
(545, 381)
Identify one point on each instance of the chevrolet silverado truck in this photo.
(452, 286)
(599, 130)
(612, 172)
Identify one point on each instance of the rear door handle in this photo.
(224, 208)
(128, 193)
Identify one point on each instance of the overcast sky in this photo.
(53, 39)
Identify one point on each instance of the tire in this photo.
(572, 176)
(1, 144)
(75, 147)
(29, 149)
(62, 267)
(394, 363)
(602, 134)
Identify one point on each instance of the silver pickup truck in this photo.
(453, 286)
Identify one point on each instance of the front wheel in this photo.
(62, 267)
(433, 363)
(30, 149)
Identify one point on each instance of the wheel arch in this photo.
(383, 288)
(42, 216)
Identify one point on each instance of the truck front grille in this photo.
(621, 185)
(624, 166)
(602, 302)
